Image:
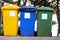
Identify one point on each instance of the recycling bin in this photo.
(10, 20)
(27, 20)
(44, 22)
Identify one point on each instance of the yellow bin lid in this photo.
(10, 7)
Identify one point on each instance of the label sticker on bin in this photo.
(44, 16)
(27, 15)
(12, 13)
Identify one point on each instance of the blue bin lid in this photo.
(27, 7)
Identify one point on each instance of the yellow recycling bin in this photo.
(10, 20)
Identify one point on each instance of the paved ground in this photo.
(29, 38)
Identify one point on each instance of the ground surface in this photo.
(29, 38)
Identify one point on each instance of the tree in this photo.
(40, 2)
(9, 1)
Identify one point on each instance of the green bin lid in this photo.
(45, 8)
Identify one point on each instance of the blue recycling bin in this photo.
(27, 20)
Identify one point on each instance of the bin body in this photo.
(44, 21)
(10, 20)
(27, 21)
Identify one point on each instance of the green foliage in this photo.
(10, 1)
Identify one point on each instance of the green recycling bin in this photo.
(44, 23)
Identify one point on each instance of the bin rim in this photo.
(45, 9)
(27, 7)
(10, 7)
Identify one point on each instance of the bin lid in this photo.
(27, 7)
(10, 7)
(45, 8)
